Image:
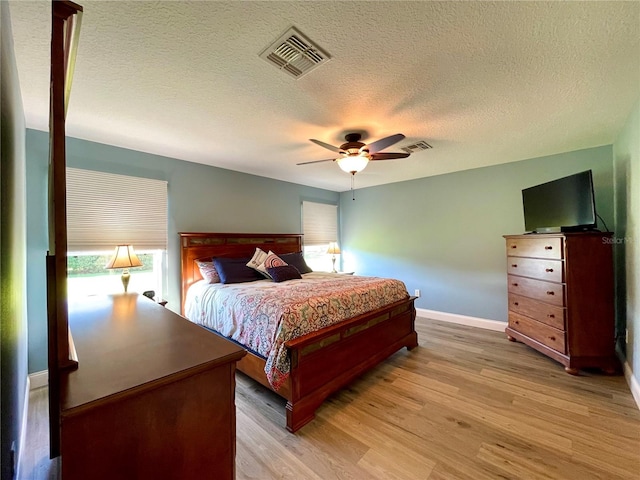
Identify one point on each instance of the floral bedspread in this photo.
(263, 315)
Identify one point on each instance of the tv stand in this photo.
(561, 299)
(565, 230)
(548, 230)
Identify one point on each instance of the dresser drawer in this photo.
(549, 336)
(549, 270)
(535, 247)
(540, 311)
(548, 292)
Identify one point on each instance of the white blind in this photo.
(106, 209)
(319, 223)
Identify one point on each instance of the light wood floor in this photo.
(466, 404)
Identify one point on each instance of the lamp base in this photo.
(125, 279)
(333, 261)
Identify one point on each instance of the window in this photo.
(320, 227)
(86, 274)
(105, 210)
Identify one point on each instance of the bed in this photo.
(319, 362)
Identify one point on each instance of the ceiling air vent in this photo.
(295, 54)
(416, 147)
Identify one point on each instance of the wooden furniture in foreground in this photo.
(321, 362)
(66, 18)
(561, 297)
(154, 396)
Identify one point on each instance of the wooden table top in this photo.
(127, 342)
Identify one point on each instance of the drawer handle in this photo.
(514, 284)
(516, 303)
(553, 339)
(550, 293)
(514, 246)
(551, 315)
(549, 270)
(517, 322)
(514, 265)
(548, 247)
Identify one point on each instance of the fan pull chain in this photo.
(353, 194)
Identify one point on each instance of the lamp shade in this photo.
(333, 249)
(353, 163)
(124, 257)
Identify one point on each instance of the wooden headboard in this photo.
(205, 246)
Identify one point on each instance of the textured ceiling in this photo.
(482, 82)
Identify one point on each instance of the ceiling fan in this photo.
(355, 155)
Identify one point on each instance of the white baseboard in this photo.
(23, 426)
(462, 319)
(34, 380)
(634, 386)
(39, 379)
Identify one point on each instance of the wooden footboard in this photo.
(322, 362)
(327, 360)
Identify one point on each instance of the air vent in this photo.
(416, 147)
(295, 54)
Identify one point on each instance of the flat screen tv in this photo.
(563, 205)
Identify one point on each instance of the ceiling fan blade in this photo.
(326, 145)
(388, 156)
(317, 161)
(383, 143)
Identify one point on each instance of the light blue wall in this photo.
(13, 306)
(37, 246)
(201, 198)
(626, 154)
(443, 234)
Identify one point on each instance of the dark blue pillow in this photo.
(283, 273)
(235, 270)
(297, 260)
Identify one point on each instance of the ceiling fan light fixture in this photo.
(353, 163)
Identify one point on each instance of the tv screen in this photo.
(566, 204)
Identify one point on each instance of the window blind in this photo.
(319, 223)
(106, 209)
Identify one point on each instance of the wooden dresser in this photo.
(561, 298)
(153, 395)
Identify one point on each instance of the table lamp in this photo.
(124, 257)
(334, 250)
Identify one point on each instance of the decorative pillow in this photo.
(235, 270)
(272, 260)
(297, 260)
(283, 273)
(258, 259)
(208, 271)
